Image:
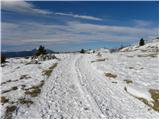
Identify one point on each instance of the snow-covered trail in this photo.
(62, 95)
(77, 90)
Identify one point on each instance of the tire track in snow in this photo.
(87, 94)
(58, 91)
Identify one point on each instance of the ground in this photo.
(123, 84)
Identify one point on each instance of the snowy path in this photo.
(77, 90)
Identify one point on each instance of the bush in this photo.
(3, 59)
(41, 51)
(82, 51)
(141, 42)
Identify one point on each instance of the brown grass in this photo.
(24, 77)
(9, 111)
(148, 55)
(49, 70)
(34, 90)
(114, 82)
(25, 101)
(98, 60)
(128, 81)
(12, 89)
(4, 100)
(110, 75)
(155, 96)
(8, 81)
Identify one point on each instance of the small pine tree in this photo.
(41, 51)
(82, 51)
(141, 42)
(3, 58)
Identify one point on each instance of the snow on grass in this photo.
(20, 82)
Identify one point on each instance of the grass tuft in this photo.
(98, 60)
(49, 70)
(14, 88)
(25, 101)
(34, 90)
(4, 100)
(128, 81)
(110, 75)
(155, 96)
(114, 82)
(24, 77)
(9, 111)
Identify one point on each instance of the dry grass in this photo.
(9, 111)
(24, 77)
(155, 96)
(4, 100)
(12, 89)
(49, 70)
(28, 102)
(128, 81)
(99, 54)
(148, 55)
(131, 67)
(98, 60)
(5, 91)
(34, 90)
(125, 89)
(8, 81)
(110, 75)
(114, 82)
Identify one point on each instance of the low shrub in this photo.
(141, 42)
(82, 51)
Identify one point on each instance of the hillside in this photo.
(121, 84)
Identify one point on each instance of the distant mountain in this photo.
(23, 53)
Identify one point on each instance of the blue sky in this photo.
(69, 26)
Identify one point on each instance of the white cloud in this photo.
(142, 23)
(22, 6)
(26, 7)
(116, 29)
(73, 32)
(80, 16)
